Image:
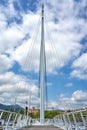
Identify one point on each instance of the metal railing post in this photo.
(69, 122)
(76, 125)
(18, 121)
(83, 118)
(14, 120)
(1, 114)
(7, 124)
(66, 126)
(86, 120)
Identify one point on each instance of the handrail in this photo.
(12, 120)
(76, 120)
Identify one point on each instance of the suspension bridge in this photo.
(73, 120)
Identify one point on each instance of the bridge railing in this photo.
(12, 120)
(75, 120)
(46, 121)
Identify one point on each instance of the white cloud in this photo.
(16, 86)
(5, 63)
(55, 59)
(79, 95)
(52, 105)
(80, 67)
(65, 36)
(69, 84)
(11, 38)
(78, 99)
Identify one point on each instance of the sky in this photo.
(65, 48)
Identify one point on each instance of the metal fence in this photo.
(46, 122)
(12, 120)
(75, 120)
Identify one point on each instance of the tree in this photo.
(22, 111)
(48, 114)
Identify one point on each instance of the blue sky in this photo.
(66, 52)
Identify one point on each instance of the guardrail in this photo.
(46, 122)
(75, 120)
(12, 120)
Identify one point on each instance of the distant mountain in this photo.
(60, 110)
(10, 107)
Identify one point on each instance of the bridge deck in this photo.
(41, 128)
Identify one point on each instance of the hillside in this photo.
(10, 107)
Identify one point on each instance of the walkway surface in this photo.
(41, 128)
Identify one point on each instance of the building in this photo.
(33, 111)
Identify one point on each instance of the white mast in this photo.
(42, 68)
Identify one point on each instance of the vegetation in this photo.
(22, 111)
(77, 116)
(48, 114)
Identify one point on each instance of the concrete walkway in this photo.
(41, 128)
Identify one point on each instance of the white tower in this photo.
(42, 68)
